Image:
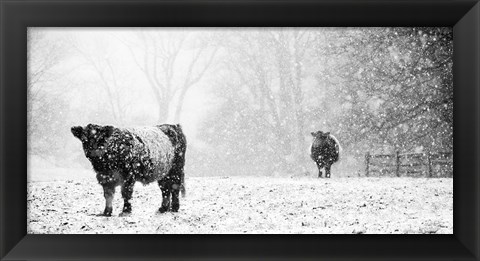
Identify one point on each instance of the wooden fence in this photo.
(439, 164)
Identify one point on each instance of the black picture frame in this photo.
(17, 15)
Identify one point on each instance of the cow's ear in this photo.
(77, 131)
(313, 134)
(327, 133)
(108, 130)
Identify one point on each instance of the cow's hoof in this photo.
(163, 209)
(108, 212)
(125, 214)
(175, 208)
(104, 214)
(127, 209)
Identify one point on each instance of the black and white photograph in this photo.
(259, 130)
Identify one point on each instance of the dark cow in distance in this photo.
(122, 156)
(325, 151)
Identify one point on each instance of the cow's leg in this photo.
(165, 187)
(108, 193)
(327, 170)
(175, 197)
(319, 166)
(127, 191)
(182, 184)
(175, 188)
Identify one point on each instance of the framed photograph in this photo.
(239, 130)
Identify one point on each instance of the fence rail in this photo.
(429, 164)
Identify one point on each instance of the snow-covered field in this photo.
(69, 205)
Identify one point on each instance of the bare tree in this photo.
(269, 66)
(109, 78)
(42, 56)
(44, 107)
(397, 83)
(291, 47)
(172, 62)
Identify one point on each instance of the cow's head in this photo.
(320, 134)
(93, 138)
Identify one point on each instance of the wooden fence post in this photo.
(367, 162)
(397, 159)
(429, 158)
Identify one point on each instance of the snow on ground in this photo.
(249, 205)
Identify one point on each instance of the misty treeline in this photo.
(263, 92)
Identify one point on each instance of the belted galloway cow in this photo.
(325, 151)
(122, 156)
